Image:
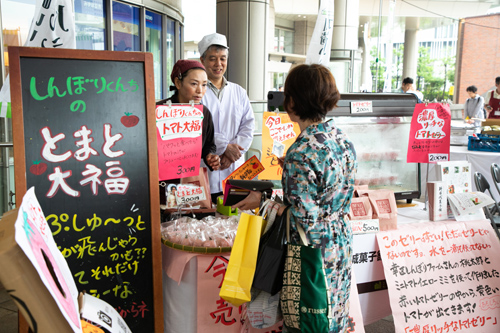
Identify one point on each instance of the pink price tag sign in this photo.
(429, 140)
(179, 138)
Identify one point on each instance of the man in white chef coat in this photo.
(233, 117)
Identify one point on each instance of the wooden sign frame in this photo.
(18, 122)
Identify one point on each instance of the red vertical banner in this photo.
(429, 140)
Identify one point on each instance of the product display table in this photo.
(191, 283)
(480, 162)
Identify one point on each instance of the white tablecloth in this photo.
(480, 161)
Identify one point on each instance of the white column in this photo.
(244, 24)
(410, 55)
(344, 42)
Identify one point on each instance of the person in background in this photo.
(318, 180)
(473, 107)
(407, 87)
(492, 101)
(190, 84)
(233, 116)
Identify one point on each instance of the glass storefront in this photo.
(90, 23)
(126, 30)
(154, 45)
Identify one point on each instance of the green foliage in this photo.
(432, 84)
(373, 69)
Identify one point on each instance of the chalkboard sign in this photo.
(85, 138)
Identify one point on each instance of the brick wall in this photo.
(478, 56)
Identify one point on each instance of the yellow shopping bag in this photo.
(241, 267)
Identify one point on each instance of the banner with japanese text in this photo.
(278, 134)
(443, 276)
(179, 136)
(53, 26)
(429, 134)
(321, 41)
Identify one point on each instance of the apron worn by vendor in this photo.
(495, 105)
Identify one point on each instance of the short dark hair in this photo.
(312, 91)
(472, 89)
(216, 48)
(407, 80)
(497, 80)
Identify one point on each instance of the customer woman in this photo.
(318, 180)
(190, 84)
(473, 107)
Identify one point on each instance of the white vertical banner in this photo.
(321, 41)
(52, 26)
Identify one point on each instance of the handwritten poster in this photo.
(430, 134)
(179, 129)
(278, 134)
(247, 171)
(443, 276)
(35, 238)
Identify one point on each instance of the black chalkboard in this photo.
(85, 138)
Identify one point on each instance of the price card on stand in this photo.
(247, 171)
(429, 134)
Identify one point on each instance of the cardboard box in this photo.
(490, 122)
(24, 285)
(37, 277)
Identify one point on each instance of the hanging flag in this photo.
(52, 26)
(321, 41)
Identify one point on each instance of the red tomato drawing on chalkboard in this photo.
(128, 120)
(38, 168)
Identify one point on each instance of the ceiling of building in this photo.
(435, 11)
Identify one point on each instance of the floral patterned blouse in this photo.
(318, 181)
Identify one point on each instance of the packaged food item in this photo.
(384, 207)
(361, 209)
(202, 181)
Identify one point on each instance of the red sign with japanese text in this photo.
(179, 136)
(429, 134)
(443, 276)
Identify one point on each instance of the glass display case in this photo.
(380, 138)
(381, 144)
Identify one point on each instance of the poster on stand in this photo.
(429, 140)
(278, 134)
(179, 130)
(443, 276)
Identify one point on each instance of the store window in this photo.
(154, 45)
(16, 21)
(170, 56)
(126, 29)
(90, 24)
(279, 81)
(283, 40)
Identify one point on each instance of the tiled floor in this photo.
(8, 318)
